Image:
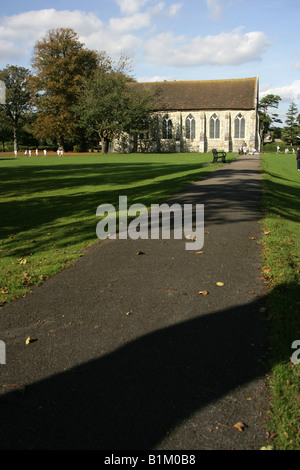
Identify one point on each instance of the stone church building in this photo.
(198, 116)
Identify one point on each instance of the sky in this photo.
(171, 39)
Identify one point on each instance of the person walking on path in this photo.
(298, 158)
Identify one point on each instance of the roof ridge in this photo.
(202, 81)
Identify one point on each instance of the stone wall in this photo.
(202, 141)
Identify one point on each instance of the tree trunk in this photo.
(262, 138)
(15, 130)
(135, 143)
(60, 143)
(104, 145)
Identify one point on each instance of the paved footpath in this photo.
(125, 352)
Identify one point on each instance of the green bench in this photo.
(218, 155)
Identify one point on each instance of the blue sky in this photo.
(171, 39)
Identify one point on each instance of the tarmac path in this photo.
(179, 371)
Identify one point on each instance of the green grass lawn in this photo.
(281, 258)
(48, 205)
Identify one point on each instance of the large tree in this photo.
(291, 132)
(17, 102)
(110, 105)
(6, 129)
(267, 119)
(60, 62)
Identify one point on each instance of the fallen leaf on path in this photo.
(267, 448)
(128, 313)
(203, 292)
(199, 252)
(140, 253)
(220, 283)
(28, 340)
(190, 237)
(239, 426)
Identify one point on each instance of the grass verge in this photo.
(48, 205)
(281, 258)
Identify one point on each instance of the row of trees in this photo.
(73, 95)
(290, 134)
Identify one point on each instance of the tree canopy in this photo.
(17, 103)
(79, 92)
(291, 131)
(60, 62)
(266, 119)
(108, 106)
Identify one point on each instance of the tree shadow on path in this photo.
(132, 397)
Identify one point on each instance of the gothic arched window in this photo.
(214, 127)
(239, 127)
(190, 127)
(167, 127)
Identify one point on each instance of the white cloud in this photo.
(216, 9)
(29, 26)
(130, 23)
(129, 7)
(26, 28)
(114, 45)
(174, 9)
(18, 33)
(232, 48)
(11, 52)
(287, 92)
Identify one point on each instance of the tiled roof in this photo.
(204, 94)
